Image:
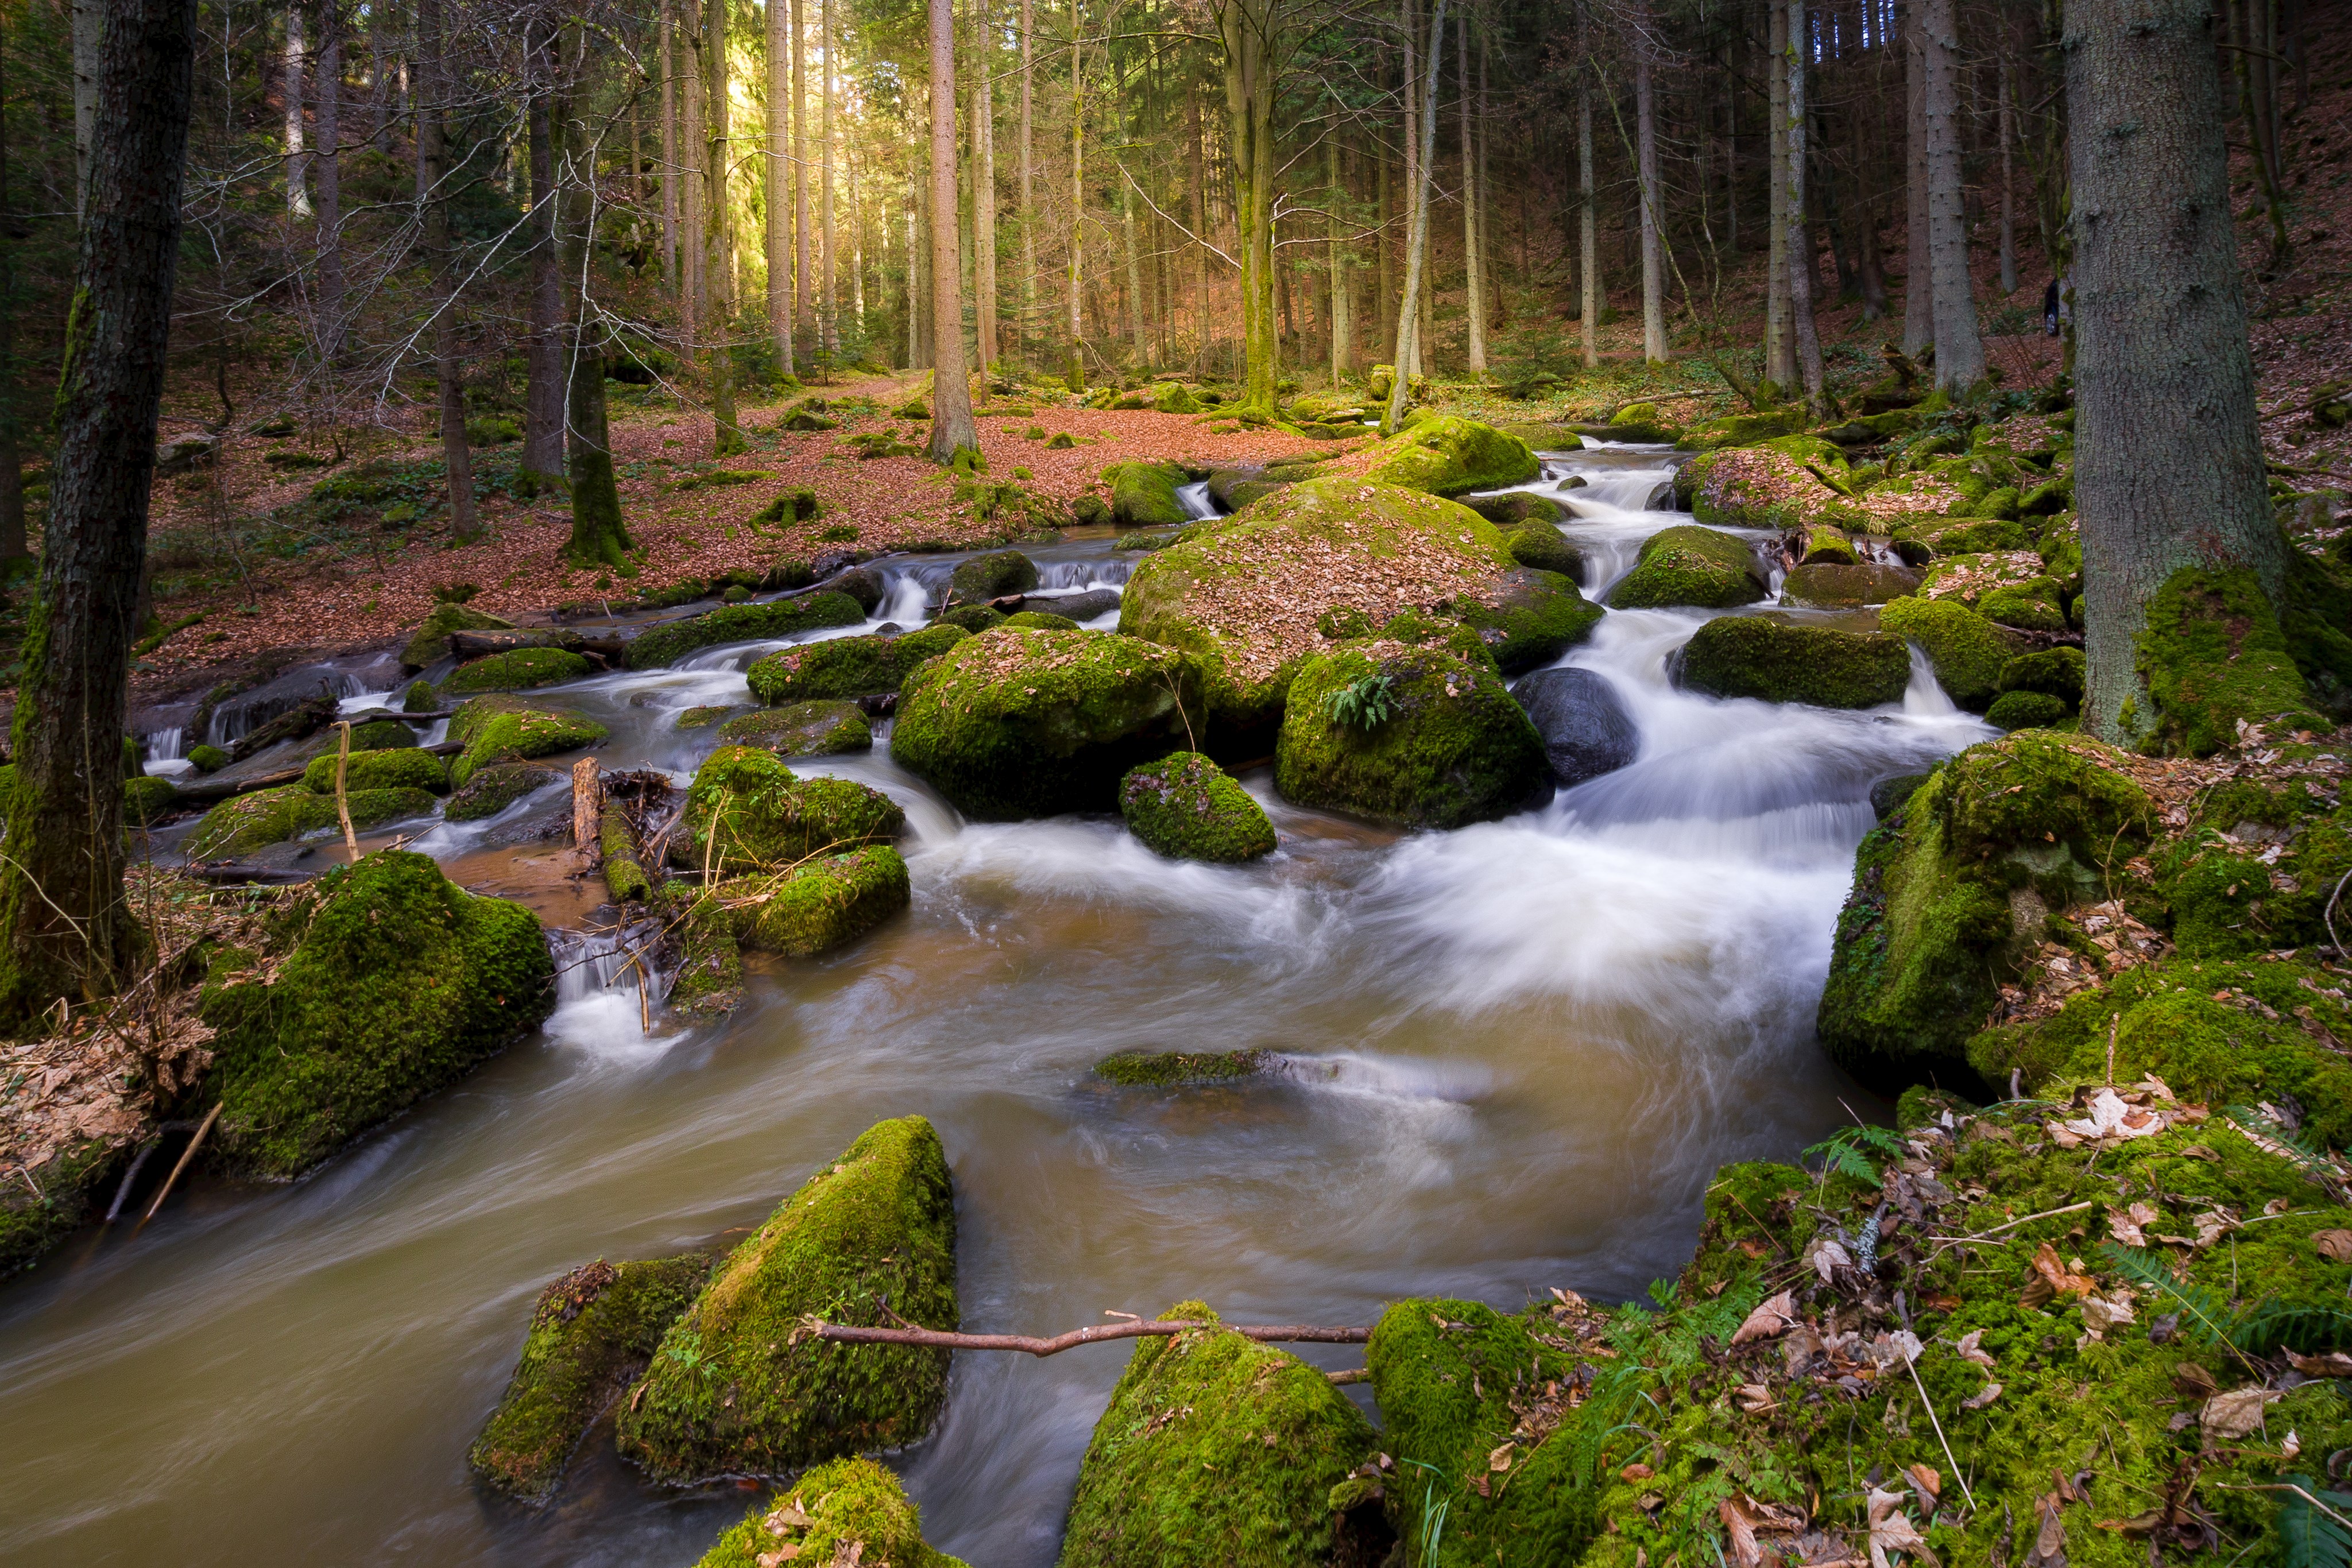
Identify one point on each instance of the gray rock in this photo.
(1585, 727)
(1077, 606)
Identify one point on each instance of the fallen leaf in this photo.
(2235, 1414)
(1824, 1255)
(1891, 1529)
(1969, 1350)
(2335, 1364)
(1771, 1319)
(1742, 1532)
(2099, 1316)
(2063, 1281)
(2128, 1227)
(1500, 1460)
(1636, 1471)
(1755, 1398)
(1978, 1401)
(2194, 1381)
(1930, 1484)
(2336, 1246)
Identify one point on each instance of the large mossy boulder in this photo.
(849, 1512)
(1791, 483)
(1956, 882)
(489, 790)
(403, 768)
(848, 666)
(746, 811)
(1528, 617)
(820, 903)
(1831, 586)
(1143, 494)
(429, 644)
(1215, 1450)
(1967, 651)
(591, 1336)
(1780, 661)
(735, 1390)
(254, 820)
(1447, 455)
(1744, 429)
(667, 644)
(1186, 807)
(992, 576)
(1543, 547)
(2211, 656)
(1243, 595)
(398, 984)
(1014, 724)
(1422, 735)
(802, 729)
(514, 669)
(1687, 565)
(503, 729)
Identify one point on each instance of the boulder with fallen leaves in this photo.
(848, 1513)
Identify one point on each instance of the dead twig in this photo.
(1030, 1344)
(186, 1155)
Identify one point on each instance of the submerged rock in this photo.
(803, 730)
(1446, 455)
(591, 1336)
(1217, 1450)
(849, 666)
(1585, 729)
(1186, 807)
(504, 729)
(733, 1390)
(746, 811)
(1171, 1067)
(1783, 662)
(489, 790)
(846, 1511)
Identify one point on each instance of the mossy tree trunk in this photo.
(1918, 273)
(2169, 473)
(1245, 37)
(542, 423)
(954, 438)
(1804, 336)
(64, 930)
(718, 237)
(599, 535)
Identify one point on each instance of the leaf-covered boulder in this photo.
(1792, 482)
(846, 1511)
(1014, 724)
(848, 666)
(668, 642)
(1215, 1450)
(818, 904)
(1781, 661)
(398, 984)
(746, 811)
(1690, 565)
(734, 1390)
(1528, 617)
(1186, 807)
(802, 729)
(263, 817)
(1447, 455)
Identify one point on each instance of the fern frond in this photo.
(2308, 1537)
(2209, 1313)
(2304, 1327)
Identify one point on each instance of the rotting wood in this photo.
(587, 809)
(186, 1155)
(846, 1333)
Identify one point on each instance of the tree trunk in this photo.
(1245, 32)
(298, 186)
(1589, 257)
(1028, 189)
(1075, 371)
(1959, 352)
(1199, 186)
(2169, 475)
(690, 151)
(65, 929)
(1409, 340)
(2007, 131)
(1416, 258)
(1474, 277)
(1653, 193)
(1918, 273)
(1800, 233)
(449, 370)
(670, 179)
(1779, 339)
(984, 196)
(776, 189)
(1343, 304)
(13, 551)
(88, 24)
(327, 162)
(954, 439)
(1139, 312)
(599, 535)
(828, 270)
(543, 428)
(718, 237)
(801, 291)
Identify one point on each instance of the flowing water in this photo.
(1510, 1057)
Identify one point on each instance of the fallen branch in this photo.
(845, 1333)
(186, 1155)
(1982, 1235)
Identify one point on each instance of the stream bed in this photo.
(1511, 1057)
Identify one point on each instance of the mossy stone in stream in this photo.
(2026, 710)
(746, 811)
(971, 618)
(1186, 807)
(1780, 661)
(514, 669)
(1455, 748)
(821, 904)
(378, 734)
(1689, 565)
(1169, 1069)
(716, 713)
(405, 767)
(733, 1390)
(491, 790)
(849, 1511)
(264, 816)
(421, 698)
(53, 1199)
(1446, 455)
(429, 644)
(667, 644)
(2211, 656)
(802, 729)
(207, 759)
(1967, 651)
(1543, 547)
(1143, 494)
(709, 979)
(853, 666)
(1825, 545)
(2056, 671)
(399, 984)
(496, 729)
(1519, 509)
(1013, 724)
(147, 798)
(992, 576)
(1831, 587)
(591, 1336)
(1528, 617)
(1215, 1450)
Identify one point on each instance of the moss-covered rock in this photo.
(711, 714)
(399, 984)
(407, 768)
(2029, 606)
(850, 666)
(1186, 807)
(2211, 656)
(1824, 545)
(1171, 1069)
(1689, 565)
(992, 576)
(709, 979)
(207, 759)
(1831, 587)
(1516, 508)
(1528, 618)
(1143, 494)
(746, 811)
(1950, 887)
(733, 1390)
(263, 817)
(1543, 547)
(2238, 886)
(1744, 429)
(2316, 617)
(146, 797)
(1780, 661)
(802, 729)
(429, 644)
(1017, 723)
(591, 1336)
(491, 790)
(514, 669)
(1454, 747)
(1791, 483)
(819, 904)
(2026, 710)
(380, 734)
(969, 619)
(2057, 671)
(1215, 1450)
(496, 728)
(1968, 650)
(420, 697)
(1446, 455)
(847, 1511)
(1039, 620)
(665, 644)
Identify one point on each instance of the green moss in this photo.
(207, 759)
(1826, 545)
(1541, 545)
(515, 670)
(1143, 494)
(850, 666)
(1171, 1069)
(146, 797)
(2026, 710)
(802, 729)
(2316, 618)
(733, 1391)
(1689, 565)
(1028, 724)
(1528, 618)
(491, 790)
(1968, 650)
(429, 644)
(2211, 656)
(1845, 587)
(500, 729)
(400, 983)
(717, 713)
(849, 1511)
(746, 811)
(709, 979)
(591, 1336)
(1039, 620)
(264, 816)
(2056, 671)
(1186, 807)
(383, 735)
(1791, 483)
(409, 767)
(1780, 661)
(421, 698)
(1214, 1448)
(992, 576)
(625, 873)
(970, 619)
(44, 1205)
(2226, 899)
(1446, 455)
(2030, 606)
(821, 904)
(1744, 429)
(665, 644)
(1460, 748)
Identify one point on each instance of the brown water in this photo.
(1512, 1056)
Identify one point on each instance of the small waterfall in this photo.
(1924, 697)
(239, 716)
(601, 1000)
(164, 746)
(1108, 572)
(905, 599)
(1196, 500)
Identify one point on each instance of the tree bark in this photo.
(718, 237)
(1959, 352)
(955, 440)
(1779, 339)
(1028, 326)
(1800, 233)
(1343, 304)
(777, 188)
(328, 167)
(1652, 191)
(1246, 33)
(449, 370)
(690, 155)
(2006, 129)
(64, 930)
(1075, 371)
(599, 535)
(1588, 216)
(1473, 279)
(543, 428)
(2169, 473)
(88, 24)
(983, 195)
(1416, 258)
(670, 179)
(801, 305)
(1919, 272)
(828, 271)
(13, 553)
(298, 187)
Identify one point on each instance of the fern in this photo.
(2208, 1315)
(2308, 1537)
(1365, 704)
(1847, 1152)
(2301, 1325)
(2256, 1330)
